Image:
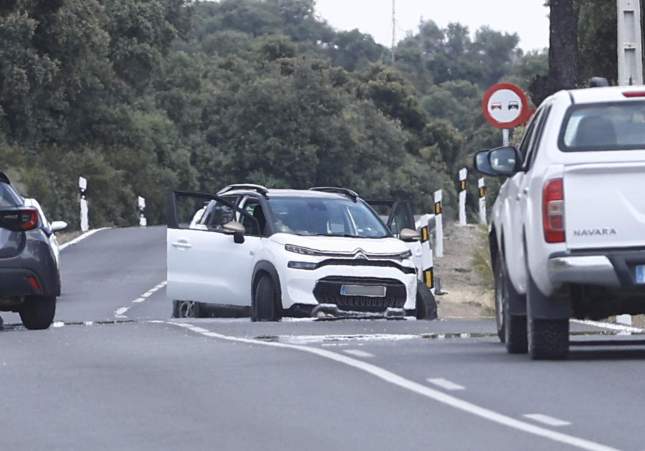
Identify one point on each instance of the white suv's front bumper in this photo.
(298, 286)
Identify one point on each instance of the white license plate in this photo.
(370, 291)
(640, 274)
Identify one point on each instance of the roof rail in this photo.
(4, 178)
(331, 189)
(248, 186)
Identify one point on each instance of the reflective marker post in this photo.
(481, 184)
(141, 204)
(82, 188)
(438, 223)
(427, 260)
(463, 186)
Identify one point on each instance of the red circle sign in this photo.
(505, 105)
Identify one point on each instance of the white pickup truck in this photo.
(568, 228)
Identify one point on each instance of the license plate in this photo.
(640, 274)
(370, 291)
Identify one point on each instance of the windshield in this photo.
(608, 126)
(326, 217)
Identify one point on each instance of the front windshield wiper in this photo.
(345, 235)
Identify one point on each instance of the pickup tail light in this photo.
(553, 211)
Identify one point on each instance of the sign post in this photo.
(481, 184)
(82, 188)
(463, 189)
(438, 223)
(141, 204)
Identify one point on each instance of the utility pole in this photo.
(630, 46)
(393, 32)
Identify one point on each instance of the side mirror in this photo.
(57, 226)
(500, 162)
(409, 235)
(236, 229)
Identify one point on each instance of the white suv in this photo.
(568, 228)
(287, 252)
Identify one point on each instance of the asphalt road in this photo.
(117, 373)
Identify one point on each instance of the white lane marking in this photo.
(313, 339)
(415, 387)
(358, 353)
(545, 419)
(445, 384)
(120, 312)
(81, 237)
(610, 326)
(58, 324)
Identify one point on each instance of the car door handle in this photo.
(182, 244)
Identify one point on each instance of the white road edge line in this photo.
(610, 326)
(81, 238)
(445, 384)
(545, 419)
(395, 379)
(120, 312)
(358, 353)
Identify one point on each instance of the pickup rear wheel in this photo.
(266, 305)
(511, 329)
(38, 312)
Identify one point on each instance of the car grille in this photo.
(327, 291)
(367, 263)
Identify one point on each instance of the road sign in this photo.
(505, 105)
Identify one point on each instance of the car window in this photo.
(604, 126)
(402, 218)
(528, 135)
(216, 215)
(536, 139)
(8, 197)
(254, 228)
(325, 216)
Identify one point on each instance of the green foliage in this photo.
(142, 97)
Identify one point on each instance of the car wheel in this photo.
(266, 305)
(511, 329)
(187, 309)
(38, 312)
(548, 339)
(426, 306)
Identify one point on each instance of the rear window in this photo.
(8, 197)
(606, 126)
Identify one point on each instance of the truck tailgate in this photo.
(605, 205)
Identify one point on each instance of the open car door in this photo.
(397, 215)
(208, 258)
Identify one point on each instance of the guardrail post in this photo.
(481, 184)
(141, 204)
(438, 223)
(82, 187)
(463, 187)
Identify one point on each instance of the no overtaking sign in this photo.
(505, 105)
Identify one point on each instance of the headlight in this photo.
(309, 266)
(405, 255)
(301, 250)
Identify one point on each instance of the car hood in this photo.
(343, 244)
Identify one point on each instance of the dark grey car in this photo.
(29, 274)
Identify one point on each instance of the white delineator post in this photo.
(141, 204)
(463, 185)
(481, 184)
(630, 63)
(438, 223)
(630, 47)
(82, 187)
(427, 260)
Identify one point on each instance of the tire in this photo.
(266, 304)
(548, 339)
(511, 329)
(187, 309)
(37, 313)
(426, 306)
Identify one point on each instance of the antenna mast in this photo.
(393, 31)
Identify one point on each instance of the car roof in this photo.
(289, 193)
(604, 94)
